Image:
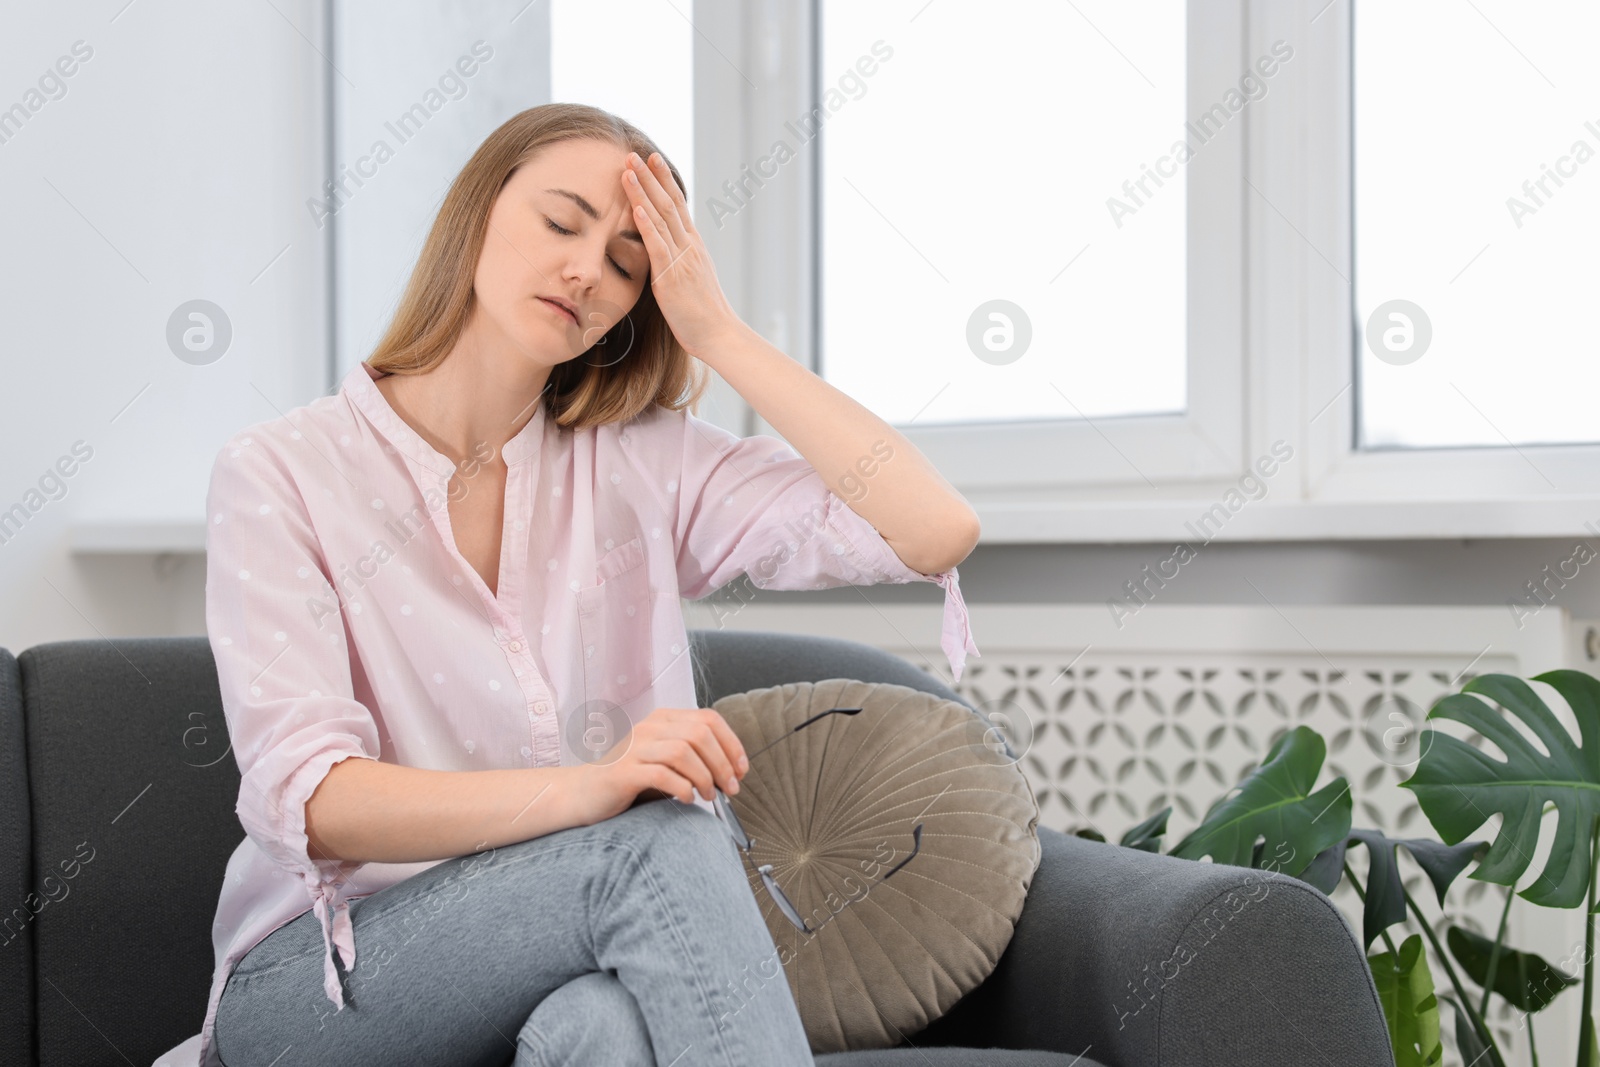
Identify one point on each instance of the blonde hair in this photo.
(644, 363)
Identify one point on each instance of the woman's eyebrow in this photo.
(588, 209)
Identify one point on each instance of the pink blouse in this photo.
(344, 622)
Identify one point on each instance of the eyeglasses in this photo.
(724, 809)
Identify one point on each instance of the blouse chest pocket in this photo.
(614, 621)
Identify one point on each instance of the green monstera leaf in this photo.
(1525, 979)
(1469, 1046)
(1385, 896)
(1146, 837)
(1459, 787)
(1405, 987)
(1276, 803)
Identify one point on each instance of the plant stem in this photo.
(1494, 953)
(1522, 970)
(1466, 1002)
(1522, 980)
(1363, 897)
(1586, 1024)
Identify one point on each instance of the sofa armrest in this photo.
(1135, 959)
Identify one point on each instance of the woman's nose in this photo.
(586, 267)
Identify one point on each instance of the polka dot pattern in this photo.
(345, 622)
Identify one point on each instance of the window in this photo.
(1009, 284)
(1353, 154)
(1477, 193)
(1006, 243)
(644, 75)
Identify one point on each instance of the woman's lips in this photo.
(561, 308)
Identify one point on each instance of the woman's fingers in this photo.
(650, 180)
(669, 184)
(669, 782)
(659, 239)
(680, 755)
(709, 747)
(717, 744)
(696, 743)
(655, 243)
(731, 745)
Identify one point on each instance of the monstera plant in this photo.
(1278, 818)
(1458, 787)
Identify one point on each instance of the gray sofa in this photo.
(118, 751)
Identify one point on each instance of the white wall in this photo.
(178, 164)
(171, 168)
(175, 163)
(392, 65)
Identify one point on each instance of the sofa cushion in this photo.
(901, 923)
(952, 1057)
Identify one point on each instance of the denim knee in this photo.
(590, 1019)
(683, 836)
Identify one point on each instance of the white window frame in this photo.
(1318, 180)
(1270, 357)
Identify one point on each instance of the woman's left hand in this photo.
(681, 275)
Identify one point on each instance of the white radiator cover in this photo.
(1177, 704)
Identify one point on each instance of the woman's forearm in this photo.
(864, 460)
(366, 811)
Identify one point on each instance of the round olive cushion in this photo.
(833, 807)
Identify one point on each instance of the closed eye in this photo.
(568, 233)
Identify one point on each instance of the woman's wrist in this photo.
(734, 335)
(580, 794)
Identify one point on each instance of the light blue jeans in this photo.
(634, 941)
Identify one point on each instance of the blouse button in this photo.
(540, 708)
(516, 646)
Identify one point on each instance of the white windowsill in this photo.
(154, 538)
(1265, 520)
(1111, 523)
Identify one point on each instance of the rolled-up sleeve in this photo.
(283, 667)
(752, 505)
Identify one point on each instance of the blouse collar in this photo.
(358, 385)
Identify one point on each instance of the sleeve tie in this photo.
(956, 639)
(328, 901)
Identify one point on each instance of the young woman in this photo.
(463, 570)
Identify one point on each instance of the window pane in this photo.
(644, 75)
(1477, 200)
(968, 161)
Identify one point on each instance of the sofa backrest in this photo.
(16, 879)
(131, 788)
(117, 794)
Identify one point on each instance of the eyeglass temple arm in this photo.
(802, 726)
(916, 835)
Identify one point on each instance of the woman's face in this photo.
(562, 231)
